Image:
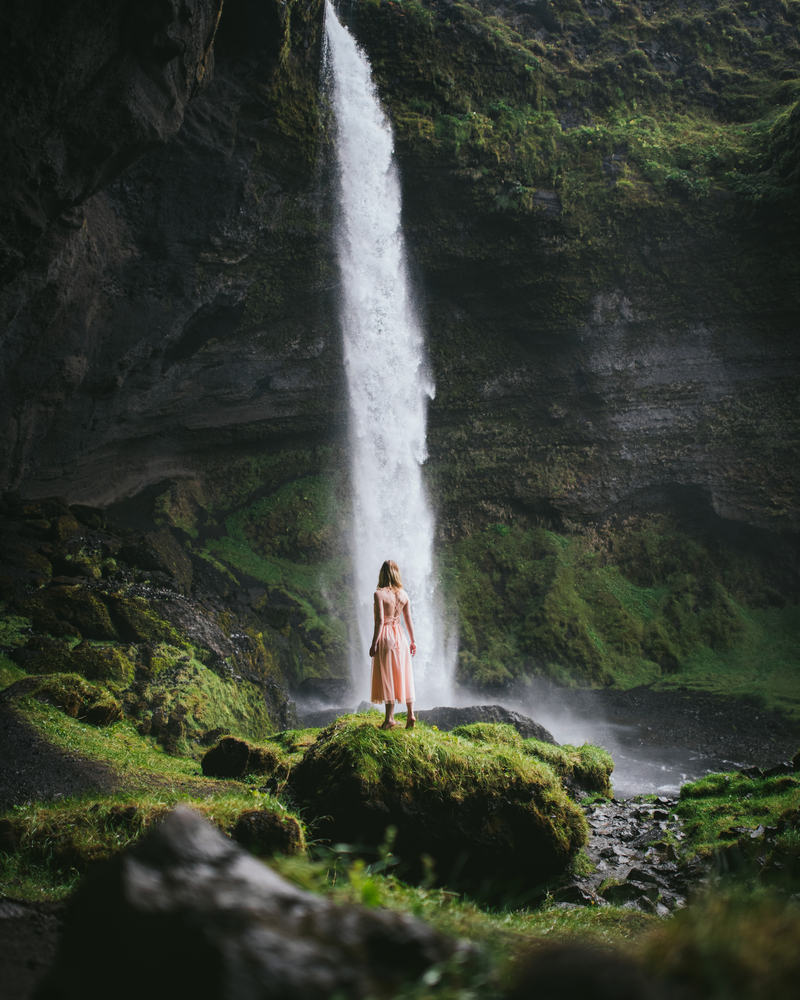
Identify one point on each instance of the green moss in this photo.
(288, 542)
(56, 843)
(470, 805)
(94, 660)
(487, 97)
(587, 767)
(14, 629)
(300, 521)
(69, 611)
(183, 689)
(9, 671)
(138, 621)
(74, 696)
(713, 807)
(488, 732)
(182, 505)
(644, 603)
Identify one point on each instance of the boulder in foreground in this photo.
(494, 819)
(188, 913)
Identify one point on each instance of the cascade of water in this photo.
(384, 353)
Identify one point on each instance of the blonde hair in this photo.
(389, 575)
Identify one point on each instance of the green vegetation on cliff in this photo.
(613, 104)
(644, 604)
(274, 525)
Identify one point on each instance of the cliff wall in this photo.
(601, 208)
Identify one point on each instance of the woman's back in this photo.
(391, 601)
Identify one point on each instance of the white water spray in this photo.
(384, 355)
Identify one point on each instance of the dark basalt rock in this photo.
(325, 716)
(159, 551)
(448, 718)
(194, 915)
(264, 833)
(228, 759)
(90, 94)
(68, 611)
(634, 868)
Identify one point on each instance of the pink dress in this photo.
(392, 677)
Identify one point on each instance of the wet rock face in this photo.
(195, 915)
(183, 313)
(189, 300)
(448, 718)
(87, 93)
(632, 848)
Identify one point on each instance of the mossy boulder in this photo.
(492, 818)
(264, 832)
(43, 655)
(64, 528)
(586, 768)
(65, 610)
(137, 621)
(233, 758)
(72, 695)
(228, 759)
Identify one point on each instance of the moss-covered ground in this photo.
(46, 847)
(723, 808)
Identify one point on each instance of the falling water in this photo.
(388, 384)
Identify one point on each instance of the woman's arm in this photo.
(409, 626)
(377, 614)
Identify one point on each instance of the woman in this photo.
(392, 679)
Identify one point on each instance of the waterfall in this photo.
(387, 379)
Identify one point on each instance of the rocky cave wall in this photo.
(608, 341)
(188, 308)
(181, 312)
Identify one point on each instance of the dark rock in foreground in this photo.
(448, 718)
(188, 913)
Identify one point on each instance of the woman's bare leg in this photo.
(410, 717)
(388, 722)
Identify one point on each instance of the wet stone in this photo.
(621, 846)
